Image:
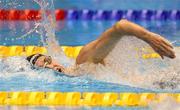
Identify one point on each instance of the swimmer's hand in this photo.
(58, 69)
(62, 70)
(161, 45)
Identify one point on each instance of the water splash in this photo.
(47, 32)
(35, 29)
(13, 67)
(143, 73)
(124, 65)
(124, 59)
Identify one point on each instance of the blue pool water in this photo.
(68, 33)
(75, 33)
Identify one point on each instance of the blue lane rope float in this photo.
(119, 14)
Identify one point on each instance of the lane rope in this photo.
(85, 14)
(85, 99)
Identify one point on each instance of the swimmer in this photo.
(97, 50)
(43, 61)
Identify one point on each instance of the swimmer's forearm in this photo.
(70, 71)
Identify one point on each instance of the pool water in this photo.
(71, 33)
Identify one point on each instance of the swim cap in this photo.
(33, 58)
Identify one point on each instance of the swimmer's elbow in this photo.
(120, 26)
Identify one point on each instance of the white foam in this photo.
(167, 104)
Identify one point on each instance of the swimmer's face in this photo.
(48, 62)
(43, 61)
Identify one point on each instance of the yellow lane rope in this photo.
(85, 99)
(8, 51)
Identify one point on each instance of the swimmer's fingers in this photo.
(161, 56)
(166, 42)
(169, 52)
(163, 40)
(59, 68)
(164, 50)
(161, 46)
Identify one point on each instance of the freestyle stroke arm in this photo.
(98, 49)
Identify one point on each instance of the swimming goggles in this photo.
(47, 61)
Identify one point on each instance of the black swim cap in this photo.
(33, 58)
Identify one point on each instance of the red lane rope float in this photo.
(20, 15)
(60, 14)
(28, 14)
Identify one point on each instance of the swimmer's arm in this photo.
(97, 50)
(157, 42)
